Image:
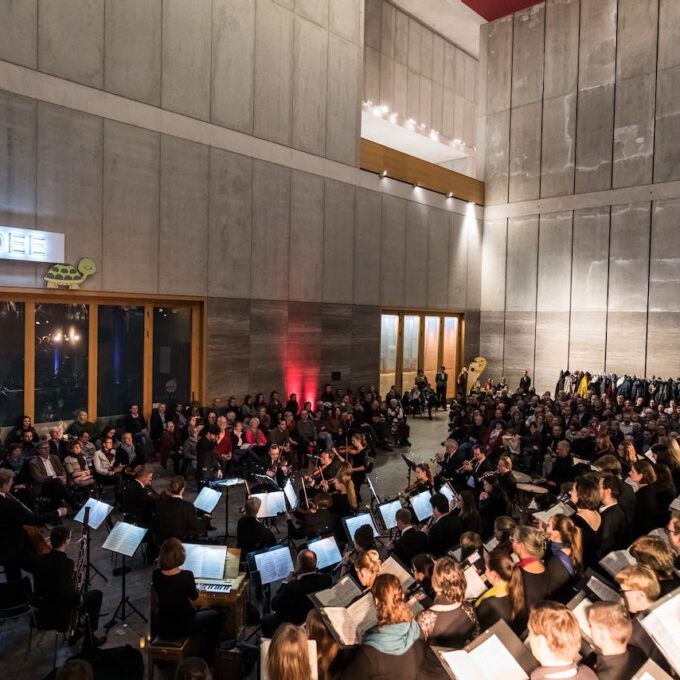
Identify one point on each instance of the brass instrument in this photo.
(80, 575)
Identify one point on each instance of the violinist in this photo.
(423, 481)
(276, 467)
(343, 497)
(328, 467)
(139, 500)
(357, 454)
(317, 520)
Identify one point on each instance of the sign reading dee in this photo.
(31, 245)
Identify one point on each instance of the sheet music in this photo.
(457, 553)
(274, 565)
(491, 544)
(447, 491)
(230, 481)
(560, 508)
(340, 595)
(617, 560)
(663, 625)
(475, 585)
(124, 539)
(205, 561)
(98, 513)
(364, 614)
(290, 494)
(391, 566)
(651, 671)
(343, 624)
(326, 551)
(602, 591)
(273, 503)
(420, 503)
(675, 505)
(207, 500)
(353, 523)
(388, 513)
(581, 614)
(489, 661)
(264, 653)
(415, 606)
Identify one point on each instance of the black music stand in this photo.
(92, 515)
(225, 484)
(124, 540)
(410, 467)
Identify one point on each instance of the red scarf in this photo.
(526, 560)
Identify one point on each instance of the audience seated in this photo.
(76, 466)
(49, 477)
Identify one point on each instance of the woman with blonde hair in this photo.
(654, 552)
(344, 496)
(450, 621)
(326, 646)
(288, 657)
(529, 583)
(394, 648)
(566, 563)
(367, 567)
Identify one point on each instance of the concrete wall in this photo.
(419, 74)
(289, 72)
(579, 262)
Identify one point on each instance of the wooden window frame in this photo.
(460, 339)
(95, 299)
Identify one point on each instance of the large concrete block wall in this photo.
(419, 74)
(288, 72)
(579, 257)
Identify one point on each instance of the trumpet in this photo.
(461, 469)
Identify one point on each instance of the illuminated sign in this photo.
(30, 245)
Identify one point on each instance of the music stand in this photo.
(124, 540)
(372, 488)
(96, 513)
(410, 467)
(225, 484)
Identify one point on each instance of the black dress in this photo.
(492, 610)
(175, 611)
(590, 540)
(646, 511)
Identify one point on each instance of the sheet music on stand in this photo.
(342, 594)
(273, 503)
(651, 671)
(393, 566)
(388, 513)
(579, 606)
(229, 481)
(557, 509)
(348, 625)
(420, 503)
(264, 654)
(353, 523)
(291, 496)
(497, 653)
(275, 564)
(662, 623)
(326, 551)
(205, 561)
(98, 513)
(447, 491)
(207, 500)
(616, 560)
(124, 539)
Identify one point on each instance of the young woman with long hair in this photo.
(288, 657)
(566, 562)
(326, 647)
(494, 604)
(585, 495)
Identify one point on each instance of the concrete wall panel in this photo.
(132, 66)
(18, 32)
(231, 223)
(527, 58)
(558, 153)
(525, 153)
(415, 279)
(186, 57)
(457, 263)
(306, 237)
(314, 10)
(561, 47)
(667, 138)
(438, 259)
(185, 168)
(597, 49)
(669, 29)
(367, 220)
(387, 30)
(233, 63)
(594, 139)
(497, 158)
(499, 66)
(345, 20)
(638, 24)
(338, 242)
(392, 251)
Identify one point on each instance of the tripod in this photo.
(120, 612)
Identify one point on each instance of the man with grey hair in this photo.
(57, 442)
(49, 477)
(17, 550)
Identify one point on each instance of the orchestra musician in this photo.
(16, 462)
(450, 460)
(411, 541)
(176, 517)
(276, 467)
(422, 482)
(54, 585)
(505, 478)
(328, 467)
(18, 552)
(251, 534)
(139, 499)
(317, 520)
(356, 454)
(477, 468)
(445, 528)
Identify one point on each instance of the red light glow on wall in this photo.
(495, 9)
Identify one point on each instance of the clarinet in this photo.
(79, 575)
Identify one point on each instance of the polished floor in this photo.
(389, 477)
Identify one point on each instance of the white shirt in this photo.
(49, 469)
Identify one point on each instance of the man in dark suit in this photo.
(251, 534)
(319, 521)
(138, 502)
(57, 442)
(441, 381)
(445, 528)
(53, 580)
(291, 604)
(614, 529)
(477, 468)
(176, 517)
(49, 477)
(16, 551)
(411, 541)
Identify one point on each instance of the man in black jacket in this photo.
(291, 603)
(138, 501)
(318, 521)
(176, 517)
(562, 469)
(614, 529)
(445, 528)
(411, 541)
(17, 551)
(53, 580)
(251, 534)
(207, 464)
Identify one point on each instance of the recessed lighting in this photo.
(450, 194)
(383, 173)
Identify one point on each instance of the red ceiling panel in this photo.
(495, 9)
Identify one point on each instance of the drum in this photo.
(521, 477)
(532, 489)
